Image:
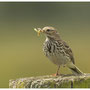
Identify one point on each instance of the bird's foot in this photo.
(56, 74)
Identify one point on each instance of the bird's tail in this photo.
(75, 70)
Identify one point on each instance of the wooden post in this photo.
(63, 81)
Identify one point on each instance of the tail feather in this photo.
(75, 70)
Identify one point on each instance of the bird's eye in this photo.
(48, 29)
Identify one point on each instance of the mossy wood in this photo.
(63, 81)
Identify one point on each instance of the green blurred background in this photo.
(21, 52)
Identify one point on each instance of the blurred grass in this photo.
(21, 52)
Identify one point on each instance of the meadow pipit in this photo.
(58, 50)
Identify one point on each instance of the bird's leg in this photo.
(57, 73)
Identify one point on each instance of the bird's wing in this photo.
(68, 51)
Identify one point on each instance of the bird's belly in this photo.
(58, 59)
(57, 56)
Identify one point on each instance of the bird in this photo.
(57, 50)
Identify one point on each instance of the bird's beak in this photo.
(38, 30)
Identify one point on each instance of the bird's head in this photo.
(49, 32)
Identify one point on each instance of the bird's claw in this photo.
(56, 74)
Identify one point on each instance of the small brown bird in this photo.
(58, 50)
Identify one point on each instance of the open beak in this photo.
(38, 30)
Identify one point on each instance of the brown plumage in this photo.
(58, 51)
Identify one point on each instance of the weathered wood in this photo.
(63, 81)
